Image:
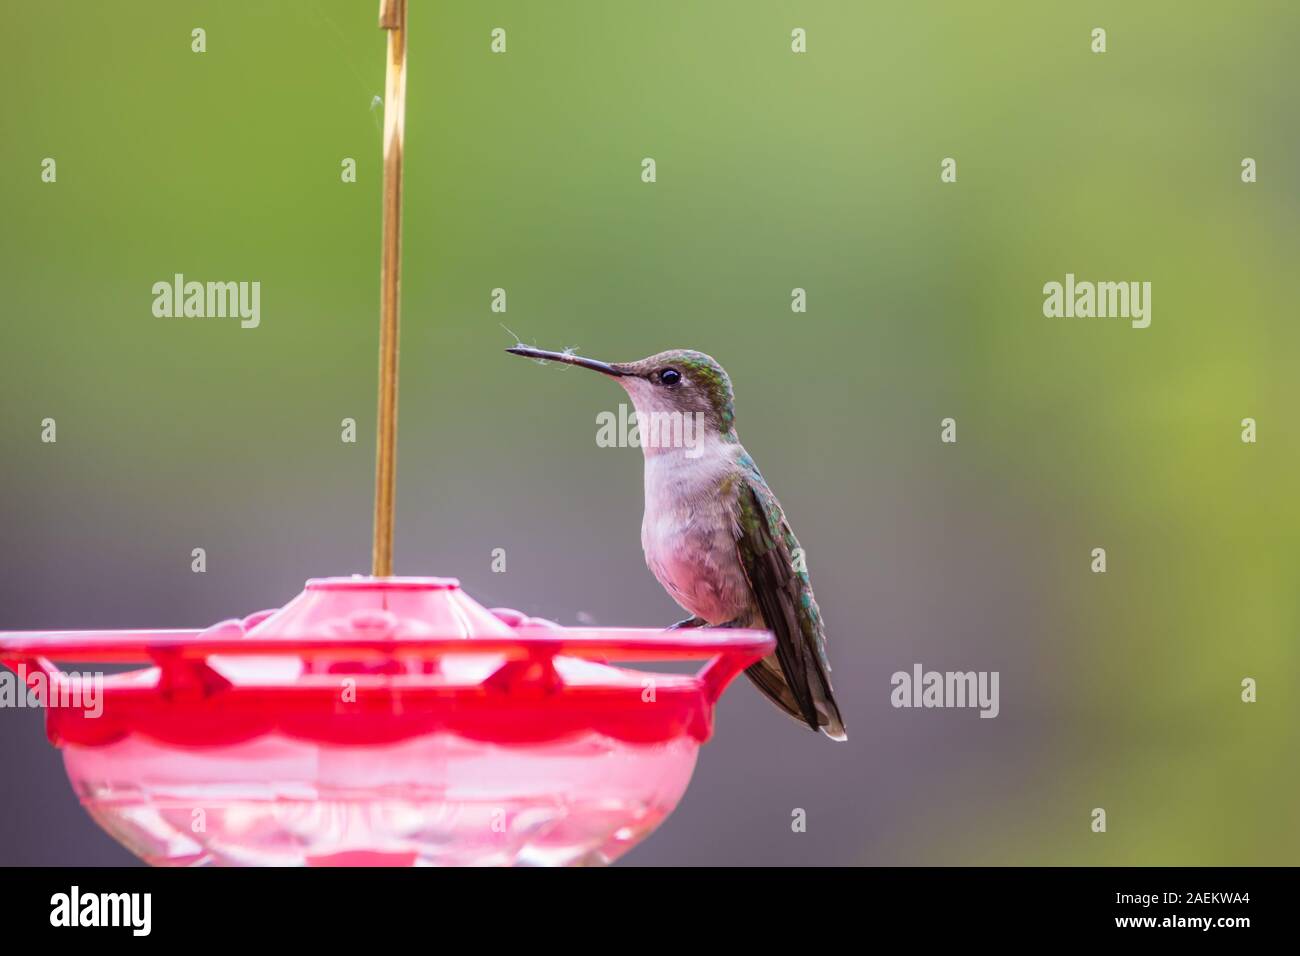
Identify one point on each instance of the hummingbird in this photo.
(713, 533)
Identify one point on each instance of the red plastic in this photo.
(389, 640)
(382, 721)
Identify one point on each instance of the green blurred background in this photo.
(775, 171)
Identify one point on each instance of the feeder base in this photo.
(434, 801)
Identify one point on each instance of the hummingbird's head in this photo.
(681, 381)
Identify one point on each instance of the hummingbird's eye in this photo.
(670, 376)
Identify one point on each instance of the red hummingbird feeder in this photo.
(380, 720)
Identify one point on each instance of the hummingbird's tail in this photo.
(770, 679)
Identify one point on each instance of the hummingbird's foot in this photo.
(689, 622)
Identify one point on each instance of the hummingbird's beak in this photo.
(567, 359)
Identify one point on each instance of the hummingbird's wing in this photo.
(797, 676)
